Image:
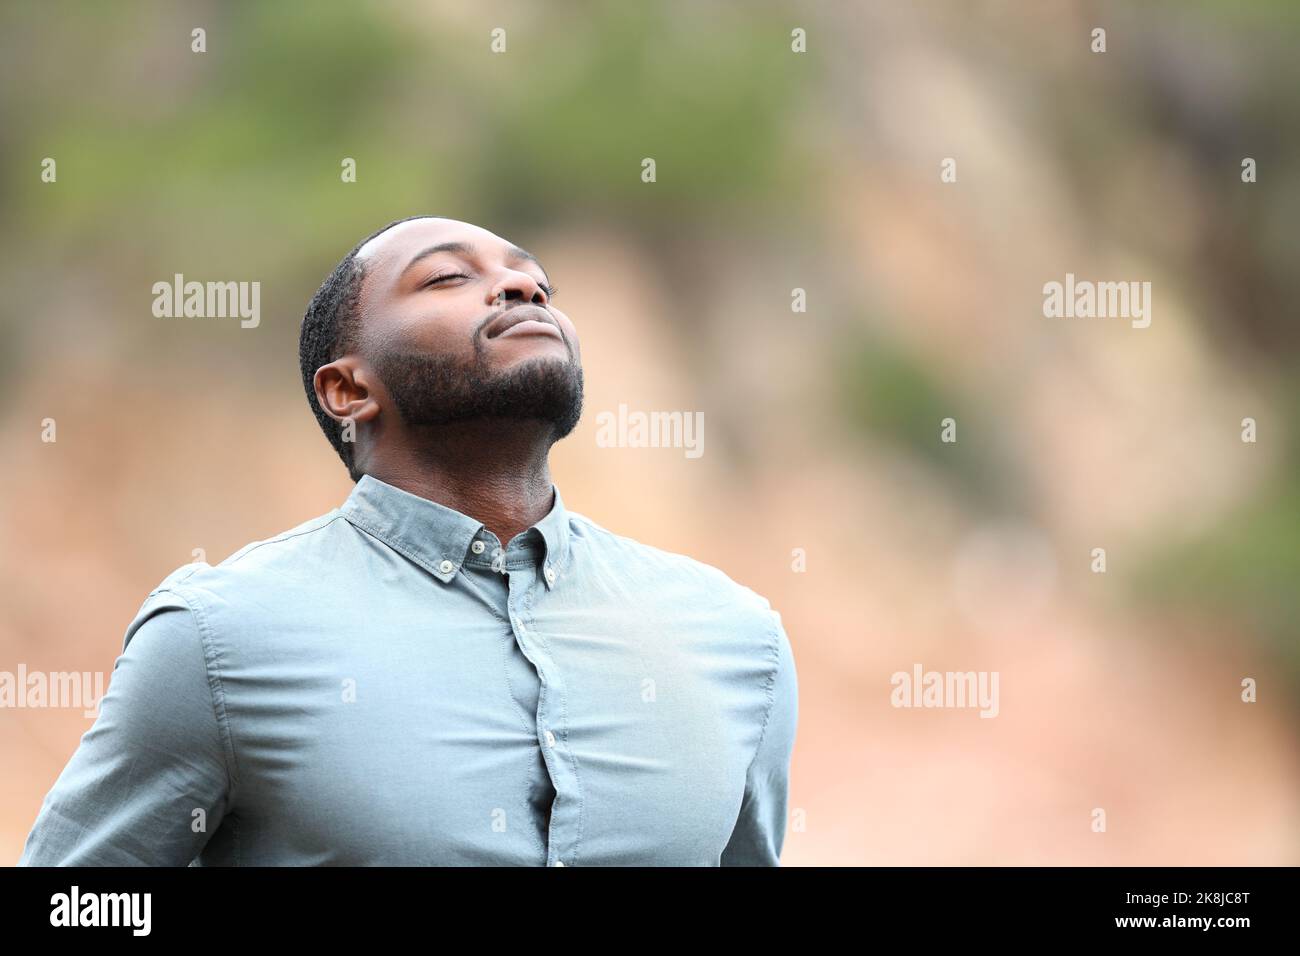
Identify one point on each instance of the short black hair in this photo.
(328, 331)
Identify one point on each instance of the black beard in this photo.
(438, 390)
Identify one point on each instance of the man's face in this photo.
(457, 324)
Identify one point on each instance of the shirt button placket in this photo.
(562, 830)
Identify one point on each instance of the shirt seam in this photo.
(217, 694)
(283, 536)
(692, 563)
(771, 692)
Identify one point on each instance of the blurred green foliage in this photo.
(889, 394)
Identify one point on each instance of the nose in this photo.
(516, 285)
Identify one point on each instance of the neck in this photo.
(495, 471)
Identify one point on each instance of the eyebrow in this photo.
(513, 254)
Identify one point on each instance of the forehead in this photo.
(395, 247)
(387, 255)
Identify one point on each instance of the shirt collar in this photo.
(438, 538)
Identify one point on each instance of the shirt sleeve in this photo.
(759, 833)
(148, 782)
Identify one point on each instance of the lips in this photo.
(520, 313)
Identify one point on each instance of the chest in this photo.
(614, 734)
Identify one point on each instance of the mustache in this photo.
(479, 336)
(404, 342)
(509, 307)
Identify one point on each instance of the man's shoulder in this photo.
(681, 569)
(259, 563)
(691, 586)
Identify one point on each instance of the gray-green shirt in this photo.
(384, 685)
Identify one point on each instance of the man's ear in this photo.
(346, 390)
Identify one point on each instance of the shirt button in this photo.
(550, 739)
(550, 575)
(478, 547)
(559, 863)
(446, 567)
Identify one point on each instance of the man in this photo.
(450, 668)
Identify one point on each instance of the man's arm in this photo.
(155, 756)
(760, 830)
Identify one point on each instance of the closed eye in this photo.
(550, 290)
(436, 279)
